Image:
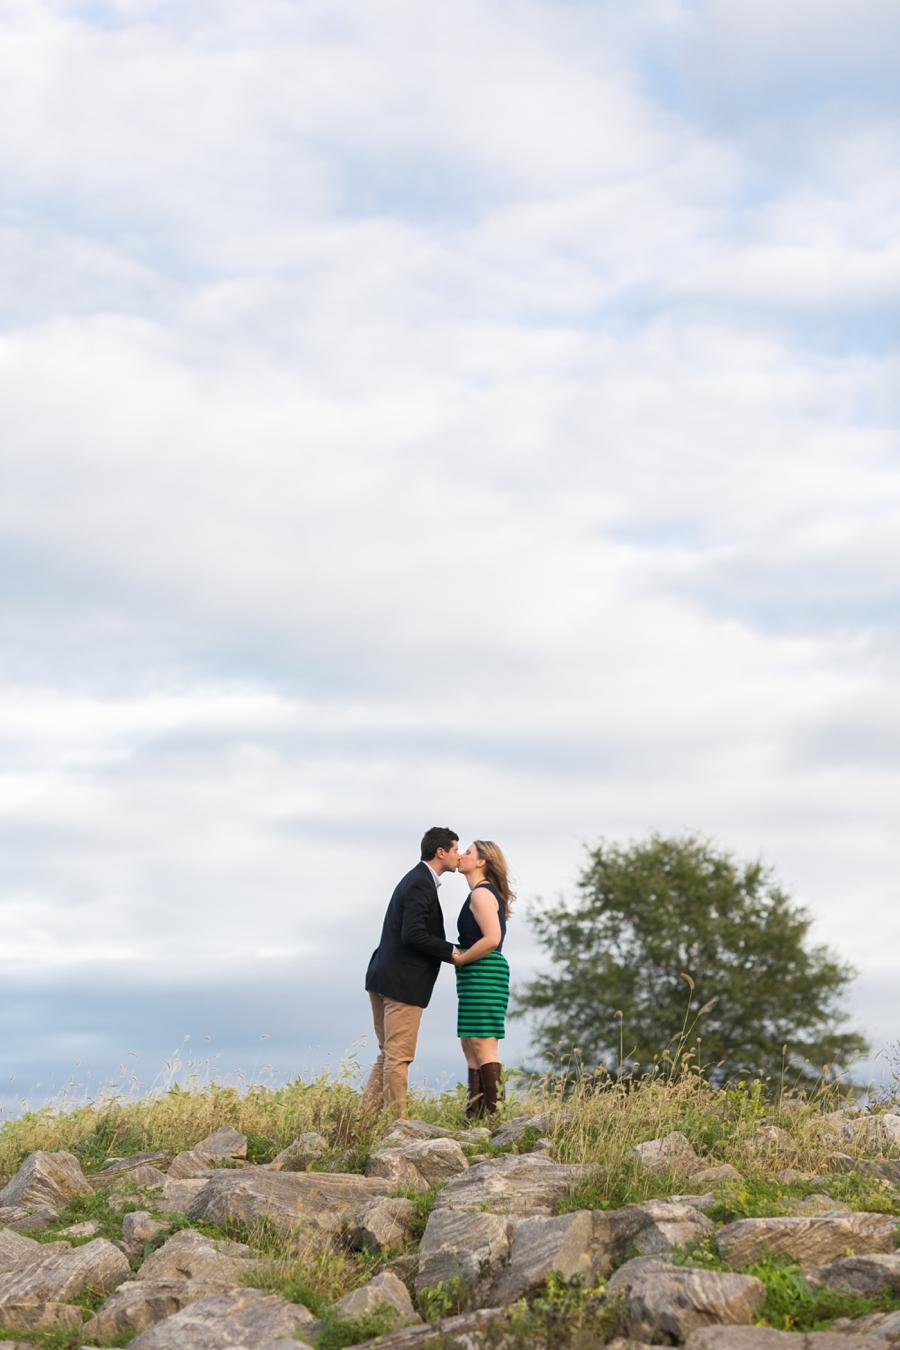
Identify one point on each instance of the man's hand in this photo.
(457, 957)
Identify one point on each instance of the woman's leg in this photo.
(475, 1102)
(469, 1051)
(487, 1051)
(484, 1049)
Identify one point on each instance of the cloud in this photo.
(416, 416)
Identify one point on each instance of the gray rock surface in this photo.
(665, 1303)
(468, 1331)
(178, 1196)
(514, 1130)
(90, 1228)
(316, 1202)
(536, 1247)
(405, 1131)
(871, 1274)
(772, 1139)
(670, 1153)
(521, 1184)
(52, 1316)
(470, 1246)
(817, 1204)
(18, 1250)
(812, 1241)
(189, 1163)
(307, 1149)
(385, 1288)
(381, 1225)
(225, 1143)
(46, 1179)
(765, 1338)
(117, 1168)
(420, 1164)
(876, 1326)
(188, 1255)
(61, 1276)
(139, 1304)
(719, 1175)
(27, 1218)
(139, 1228)
(244, 1317)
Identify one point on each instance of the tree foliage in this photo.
(671, 920)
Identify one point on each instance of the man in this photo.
(405, 965)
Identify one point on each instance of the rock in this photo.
(468, 1246)
(789, 1176)
(381, 1225)
(226, 1143)
(665, 1303)
(717, 1176)
(468, 1331)
(765, 1338)
(514, 1130)
(300, 1154)
(16, 1250)
(46, 1179)
(51, 1316)
(420, 1165)
(190, 1163)
(886, 1326)
(817, 1204)
(139, 1304)
(520, 1184)
(25, 1219)
(243, 1317)
(383, 1289)
(404, 1267)
(504, 1259)
(140, 1228)
(477, 1137)
(544, 1145)
(116, 1168)
(317, 1202)
(87, 1229)
(811, 1241)
(877, 1132)
(405, 1131)
(672, 1153)
(178, 1196)
(865, 1274)
(772, 1139)
(57, 1278)
(188, 1255)
(539, 1245)
(701, 1202)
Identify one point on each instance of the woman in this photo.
(482, 974)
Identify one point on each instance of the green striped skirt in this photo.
(483, 992)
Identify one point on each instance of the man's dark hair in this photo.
(436, 838)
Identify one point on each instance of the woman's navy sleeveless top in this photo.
(469, 932)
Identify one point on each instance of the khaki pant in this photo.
(397, 1029)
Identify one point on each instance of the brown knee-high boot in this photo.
(492, 1078)
(475, 1104)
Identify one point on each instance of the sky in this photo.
(482, 415)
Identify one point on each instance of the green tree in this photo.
(654, 913)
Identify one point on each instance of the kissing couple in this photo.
(407, 961)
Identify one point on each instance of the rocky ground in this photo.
(556, 1228)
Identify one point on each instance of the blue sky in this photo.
(481, 415)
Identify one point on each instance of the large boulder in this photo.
(190, 1163)
(765, 1338)
(516, 1184)
(872, 1274)
(316, 1202)
(385, 1290)
(812, 1241)
(245, 1318)
(468, 1331)
(50, 1316)
(27, 1218)
(381, 1225)
(665, 1303)
(418, 1165)
(670, 1153)
(189, 1255)
(46, 1179)
(139, 1304)
(407, 1131)
(98, 1265)
(514, 1130)
(505, 1258)
(117, 1168)
(299, 1155)
(225, 1143)
(178, 1195)
(140, 1228)
(18, 1250)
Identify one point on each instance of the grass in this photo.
(598, 1122)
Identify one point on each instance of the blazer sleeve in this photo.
(416, 909)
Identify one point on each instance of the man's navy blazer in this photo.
(406, 962)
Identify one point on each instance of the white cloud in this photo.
(416, 415)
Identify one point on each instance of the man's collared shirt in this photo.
(437, 880)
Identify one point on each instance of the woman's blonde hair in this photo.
(496, 871)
